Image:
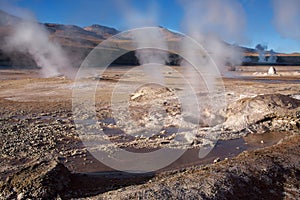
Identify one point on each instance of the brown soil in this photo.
(36, 122)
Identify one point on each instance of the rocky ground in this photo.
(42, 155)
(270, 173)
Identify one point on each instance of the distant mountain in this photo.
(71, 35)
(6, 19)
(78, 42)
(102, 31)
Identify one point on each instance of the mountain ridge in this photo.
(78, 41)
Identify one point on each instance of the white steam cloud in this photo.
(148, 58)
(31, 37)
(223, 18)
(262, 50)
(272, 58)
(286, 18)
(210, 22)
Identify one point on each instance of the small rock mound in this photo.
(151, 92)
(249, 111)
(42, 180)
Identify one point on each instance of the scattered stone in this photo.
(20, 196)
(28, 134)
(136, 95)
(217, 160)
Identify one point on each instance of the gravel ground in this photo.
(42, 155)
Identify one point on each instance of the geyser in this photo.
(30, 37)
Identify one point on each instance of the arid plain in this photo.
(257, 143)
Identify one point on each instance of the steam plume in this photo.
(210, 22)
(261, 52)
(151, 57)
(286, 18)
(30, 37)
(273, 57)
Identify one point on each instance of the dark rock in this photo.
(41, 180)
(298, 114)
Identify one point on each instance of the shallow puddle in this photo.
(227, 149)
(222, 150)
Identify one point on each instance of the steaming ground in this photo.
(37, 125)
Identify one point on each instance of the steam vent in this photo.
(272, 71)
(175, 105)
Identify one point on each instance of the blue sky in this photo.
(259, 16)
